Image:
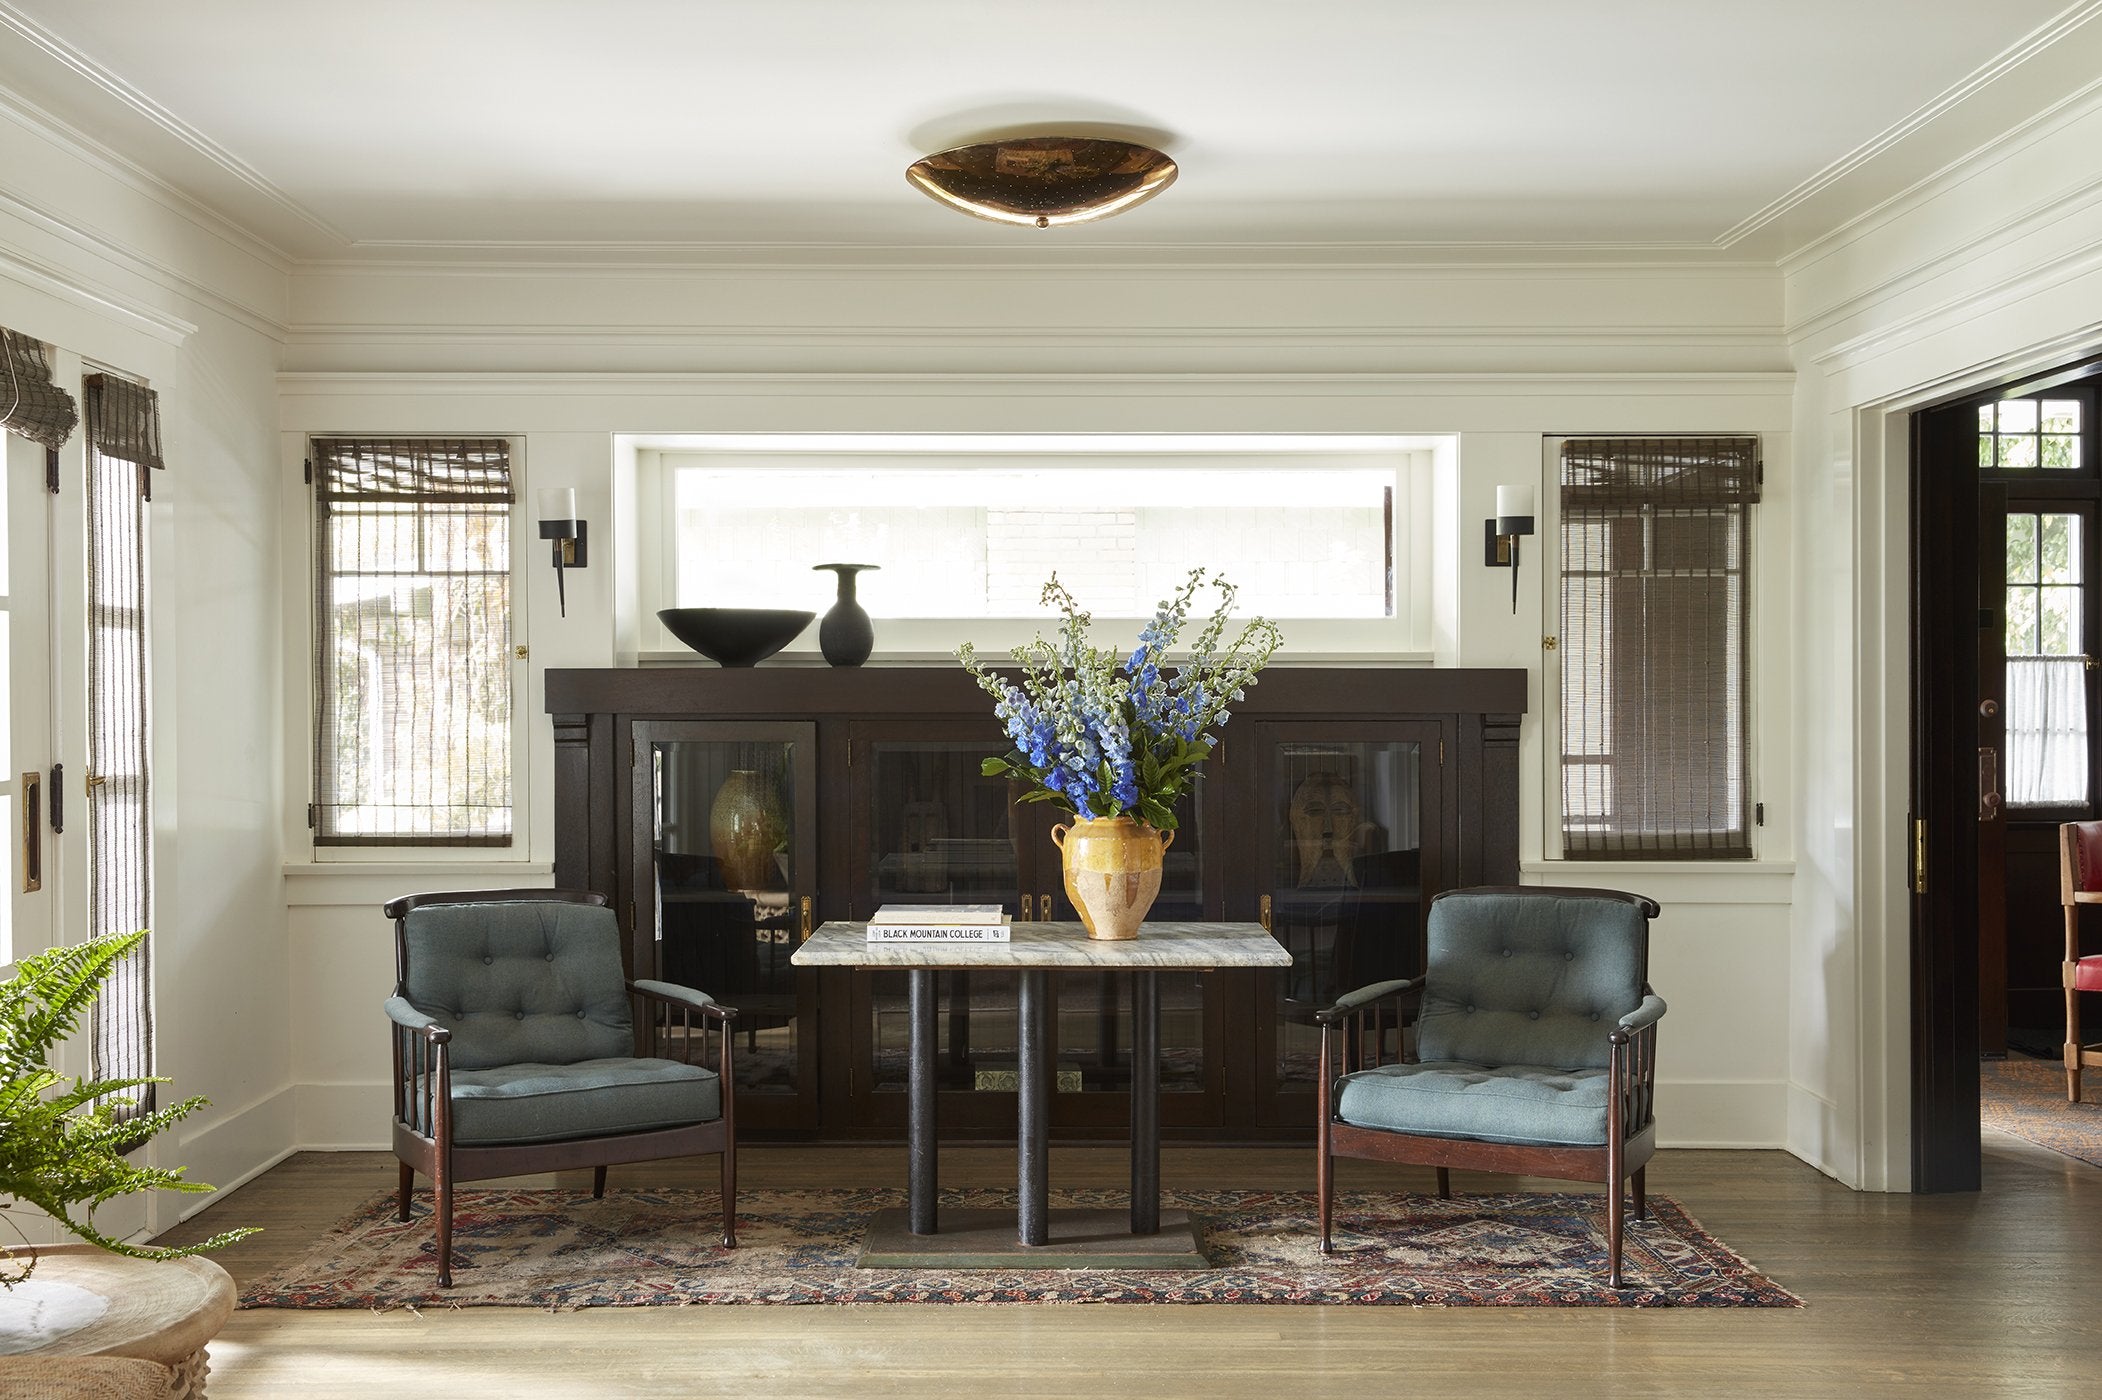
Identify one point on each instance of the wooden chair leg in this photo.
(1325, 1194)
(1641, 1200)
(408, 1185)
(598, 1183)
(2072, 1045)
(1444, 1183)
(445, 1225)
(1616, 1212)
(730, 1196)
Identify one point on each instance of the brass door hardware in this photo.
(32, 832)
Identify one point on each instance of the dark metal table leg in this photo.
(1145, 1103)
(921, 1091)
(959, 1020)
(1033, 1148)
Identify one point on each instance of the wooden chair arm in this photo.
(1648, 1014)
(403, 1013)
(686, 998)
(1350, 1003)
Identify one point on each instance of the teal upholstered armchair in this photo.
(1535, 1049)
(514, 1049)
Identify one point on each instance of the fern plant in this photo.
(62, 1144)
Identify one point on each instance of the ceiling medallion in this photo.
(1039, 181)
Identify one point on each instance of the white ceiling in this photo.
(1329, 128)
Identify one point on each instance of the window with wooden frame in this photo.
(124, 445)
(2037, 463)
(1655, 673)
(412, 642)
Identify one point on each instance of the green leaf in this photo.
(62, 1144)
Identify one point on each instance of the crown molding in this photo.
(535, 384)
(2020, 52)
(2042, 214)
(1475, 268)
(2040, 126)
(153, 270)
(1969, 305)
(660, 256)
(1751, 334)
(247, 176)
(75, 290)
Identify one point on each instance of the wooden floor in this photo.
(1988, 1295)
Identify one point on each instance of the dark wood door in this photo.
(1992, 803)
(722, 877)
(1949, 605)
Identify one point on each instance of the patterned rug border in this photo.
(1262, 1242)
(2026, 1098)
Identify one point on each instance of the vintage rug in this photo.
(2027, 1099)
(561, 1250)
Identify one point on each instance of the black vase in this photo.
(846, 636)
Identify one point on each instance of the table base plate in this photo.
(1079, 1239)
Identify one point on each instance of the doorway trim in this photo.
(1877, 433)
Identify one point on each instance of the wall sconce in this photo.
(1500, 533)
(558, 522)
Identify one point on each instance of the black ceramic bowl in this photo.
(735, 636)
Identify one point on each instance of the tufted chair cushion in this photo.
(521, 982)
(1506, 1104)
(1529, 979)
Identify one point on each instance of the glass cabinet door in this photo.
(930, 828)
(1347, 824)
(724, 878)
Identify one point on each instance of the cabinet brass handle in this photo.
(32, 832)
(804, 906)
(1043, 908)
(1262, 913)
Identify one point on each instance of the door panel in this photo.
(1994, 525)
(1348, 816)
(724, 880)
(928, 827)
(28, 862)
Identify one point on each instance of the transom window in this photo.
(2029, 434)
(1331, 532)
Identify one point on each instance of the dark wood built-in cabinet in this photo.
(727, 812)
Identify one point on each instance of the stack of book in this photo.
(939, 923)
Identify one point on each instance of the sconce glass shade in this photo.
(1514, 510)
(558, 512)
(1039, 181)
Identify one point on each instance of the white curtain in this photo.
(2046, 731)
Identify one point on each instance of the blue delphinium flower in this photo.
(1105, 735)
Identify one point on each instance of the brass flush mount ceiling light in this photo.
(1044, 180)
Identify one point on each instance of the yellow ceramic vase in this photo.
(1112, 871)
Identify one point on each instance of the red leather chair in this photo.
(2079, 882)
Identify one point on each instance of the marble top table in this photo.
(1035, 950)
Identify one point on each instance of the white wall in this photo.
(99, 259)
(1501, 356)
(1987, 270)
